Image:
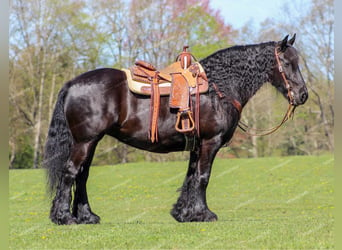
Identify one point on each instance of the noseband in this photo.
(290, 110)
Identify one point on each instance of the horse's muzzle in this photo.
(301, 97)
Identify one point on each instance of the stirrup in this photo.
(185, 123)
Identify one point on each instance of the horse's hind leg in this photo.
(60, 210)
(81, 208)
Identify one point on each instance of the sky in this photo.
(239, 12)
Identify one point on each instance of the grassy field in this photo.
(264, 203)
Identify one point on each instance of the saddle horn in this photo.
(185, 58)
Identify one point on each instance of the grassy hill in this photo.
(263, 203)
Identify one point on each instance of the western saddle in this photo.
(179, 80)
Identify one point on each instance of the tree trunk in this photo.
(38, 119)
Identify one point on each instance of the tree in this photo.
(45, 46)
(49, 45)
(311, 131)
(318, 58)
(31, 55)
(316, 44)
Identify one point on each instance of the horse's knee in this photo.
(204, 180)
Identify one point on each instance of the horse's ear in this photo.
(292, 40)
(283, 43)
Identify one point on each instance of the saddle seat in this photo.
(140, 76)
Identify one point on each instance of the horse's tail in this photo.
(58, 143)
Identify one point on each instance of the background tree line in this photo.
(53, 41)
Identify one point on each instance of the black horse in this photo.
(99, 103)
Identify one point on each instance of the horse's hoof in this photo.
(71, 221)
(207, 216)
(65, 220)
(90, 219)
(188, 215)
(85, 215)
(211, 216)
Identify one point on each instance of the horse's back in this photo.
(91, 103)
(97, 77)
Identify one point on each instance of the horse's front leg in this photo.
(192, 204)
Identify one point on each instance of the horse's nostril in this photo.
(304, 97)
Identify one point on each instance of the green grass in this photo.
(264, 203)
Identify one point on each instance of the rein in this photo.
(262, 132)
(290, 110)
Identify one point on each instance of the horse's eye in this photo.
(286, 64)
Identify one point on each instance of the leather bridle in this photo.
(282, 73)
(290, 110)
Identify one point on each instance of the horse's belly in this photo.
(168, 141)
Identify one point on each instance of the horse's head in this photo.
(287, 77)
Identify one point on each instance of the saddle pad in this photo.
(145, 88)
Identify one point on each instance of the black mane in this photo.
(239, 71)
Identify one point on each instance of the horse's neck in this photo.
(257, 63)
(241, 71)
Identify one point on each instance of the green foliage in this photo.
(24, 156)
(202, 51)
(264, 203)
(50, 45)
